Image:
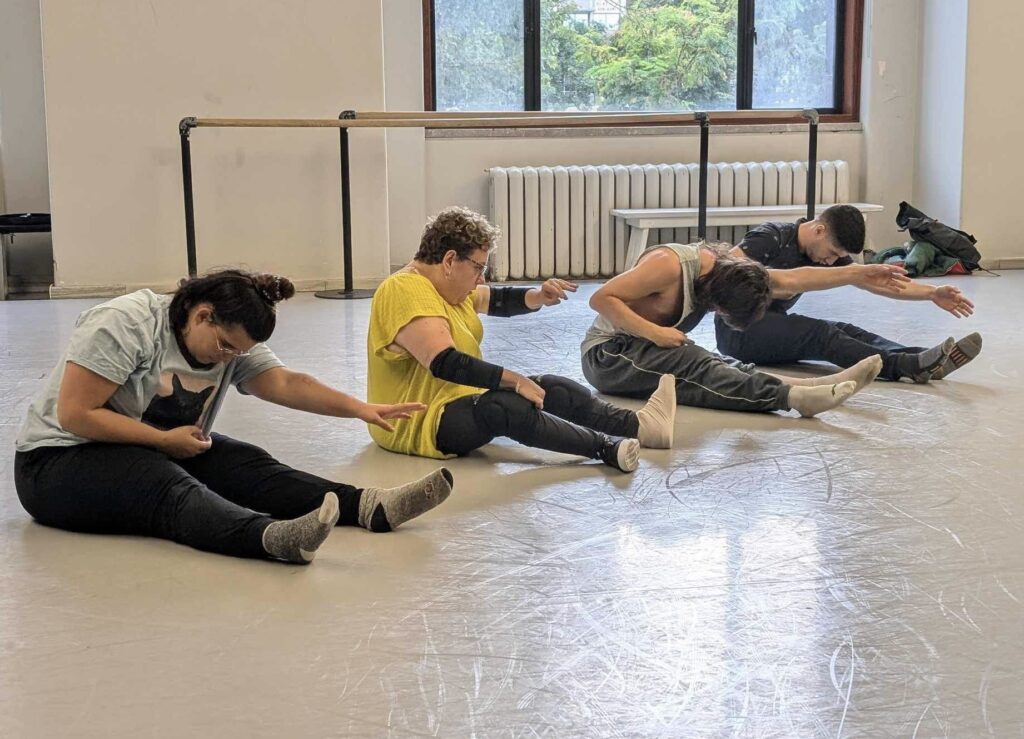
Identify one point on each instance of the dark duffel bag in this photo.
(950, 241)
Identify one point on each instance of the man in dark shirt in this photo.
(782, 337)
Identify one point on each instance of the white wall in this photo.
(970, 126)
(403, 90)
(890, 77)
(24, 184)
(993, 157)
(940, 131)
(119, 76)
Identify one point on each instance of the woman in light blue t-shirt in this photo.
(119, 440)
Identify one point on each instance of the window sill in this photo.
(631, 131)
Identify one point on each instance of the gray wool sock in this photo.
(919, 367)
(963, 352)
(298, 539)
(385, 509)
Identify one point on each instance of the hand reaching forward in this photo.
(950, 299)
(553, 291)
(378, 413)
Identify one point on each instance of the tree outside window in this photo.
(634, 55)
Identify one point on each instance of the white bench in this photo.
(641, 220)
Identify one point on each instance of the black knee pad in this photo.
(561, 392)
(500, 411)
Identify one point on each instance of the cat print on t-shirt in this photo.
(175, 405)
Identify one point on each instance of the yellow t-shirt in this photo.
(399, 378)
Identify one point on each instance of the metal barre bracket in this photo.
(812, 116)
(185, 125)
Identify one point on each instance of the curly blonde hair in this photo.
(455, 229)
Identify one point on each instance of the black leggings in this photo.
(573, 420)
(208, 502)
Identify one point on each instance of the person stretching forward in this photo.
(645, 312)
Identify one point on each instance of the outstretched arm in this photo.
(884, 279)
(520, 300)
(304, 392)
(947, 297)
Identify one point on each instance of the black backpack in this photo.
(949, 241)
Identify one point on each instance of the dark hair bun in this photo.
(273, 288)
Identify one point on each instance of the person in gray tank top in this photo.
(645, 313)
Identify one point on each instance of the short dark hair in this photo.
(845, 226)
(238, 298)
(455, 229)
(739, 290)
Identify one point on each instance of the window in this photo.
(795, 54)
(480, 51)
(641, 55)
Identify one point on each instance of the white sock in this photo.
(658, 417)
(810, 401)
(863, 373)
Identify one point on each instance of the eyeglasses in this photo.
(228, 350)
(480, 268)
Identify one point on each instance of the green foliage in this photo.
(665, 55)
(479, 50)
(792, 62)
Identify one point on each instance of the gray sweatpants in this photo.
(629, 366)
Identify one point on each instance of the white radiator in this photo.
(556, 221)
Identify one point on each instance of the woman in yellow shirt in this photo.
(424, 346)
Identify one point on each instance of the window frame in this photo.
(847, 71)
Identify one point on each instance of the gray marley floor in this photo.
(858, 575)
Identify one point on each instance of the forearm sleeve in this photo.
(508, 301)
(463, 369)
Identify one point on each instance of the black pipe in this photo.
(812, 160)
(702, 188)
(531, 54)
(184, 129)
(349, 292)
(346, 210)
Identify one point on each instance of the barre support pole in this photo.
(349, 293)
(184, 128)
(812, 159)
(702, 188)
